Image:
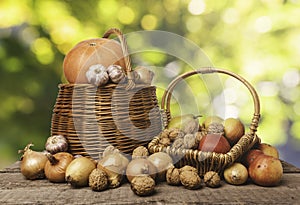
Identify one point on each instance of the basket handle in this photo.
(128, 68)
(166, 98)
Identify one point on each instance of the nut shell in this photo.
(190, 180)
(212, 179)
(98, 180)
(143, 185)
(173, 176)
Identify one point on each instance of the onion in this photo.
(162, 161)
(114, 164)
(139, 167)
(56, 166)
(90, 52)
(78, 171)
(143, 75)
(32, 163)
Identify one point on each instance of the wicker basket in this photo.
(91, 118)
(208, 161)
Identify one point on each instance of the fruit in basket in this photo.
(236, 174)
(266, 170)
(234, 130)
(32, 163)
(90, 52)
(268, 149)
(214, 143)
(215, 128)
(188, 123)
(78, 171)
(211, 119)
(250, 156)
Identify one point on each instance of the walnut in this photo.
(178, 143)
(199, 135)
(140, 152)
(188, 168)
(172, 176)
(98, 180)
(165, 142)
(143, 185)
(164, 134)
(215, 128)
(189, 141)
(175, 133)
(190, 179)
(212, 179)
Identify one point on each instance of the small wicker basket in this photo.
(91, 118)
(208, 161)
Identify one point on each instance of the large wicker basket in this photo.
(91, 118)
(208, 161)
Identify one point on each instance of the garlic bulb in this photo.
(116, 73)
(97, 75)
(143, 75)
(56, 143)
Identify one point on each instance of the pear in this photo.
(188, 123)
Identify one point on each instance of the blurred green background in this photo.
(259, 40)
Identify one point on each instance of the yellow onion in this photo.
(56, 166)
(162, 161)
(32, 163)
(78, 171)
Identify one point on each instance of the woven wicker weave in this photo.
(208, 161)
(91, 118)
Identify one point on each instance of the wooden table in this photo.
(14, 189)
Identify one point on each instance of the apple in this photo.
(266, 170)
(214, 143)
(268, 149)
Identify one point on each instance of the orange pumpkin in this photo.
(90, 52)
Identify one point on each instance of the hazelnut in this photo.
(143, 185)
(190, 179)
(212, 179)
(172, 176)
(98, 180)
(140, 151)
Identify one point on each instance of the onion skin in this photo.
(162, 161)
(78, 171)
(139, 167)
(56, 166)
(90, 52)
(32, 163)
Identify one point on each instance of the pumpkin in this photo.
(90, 52)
